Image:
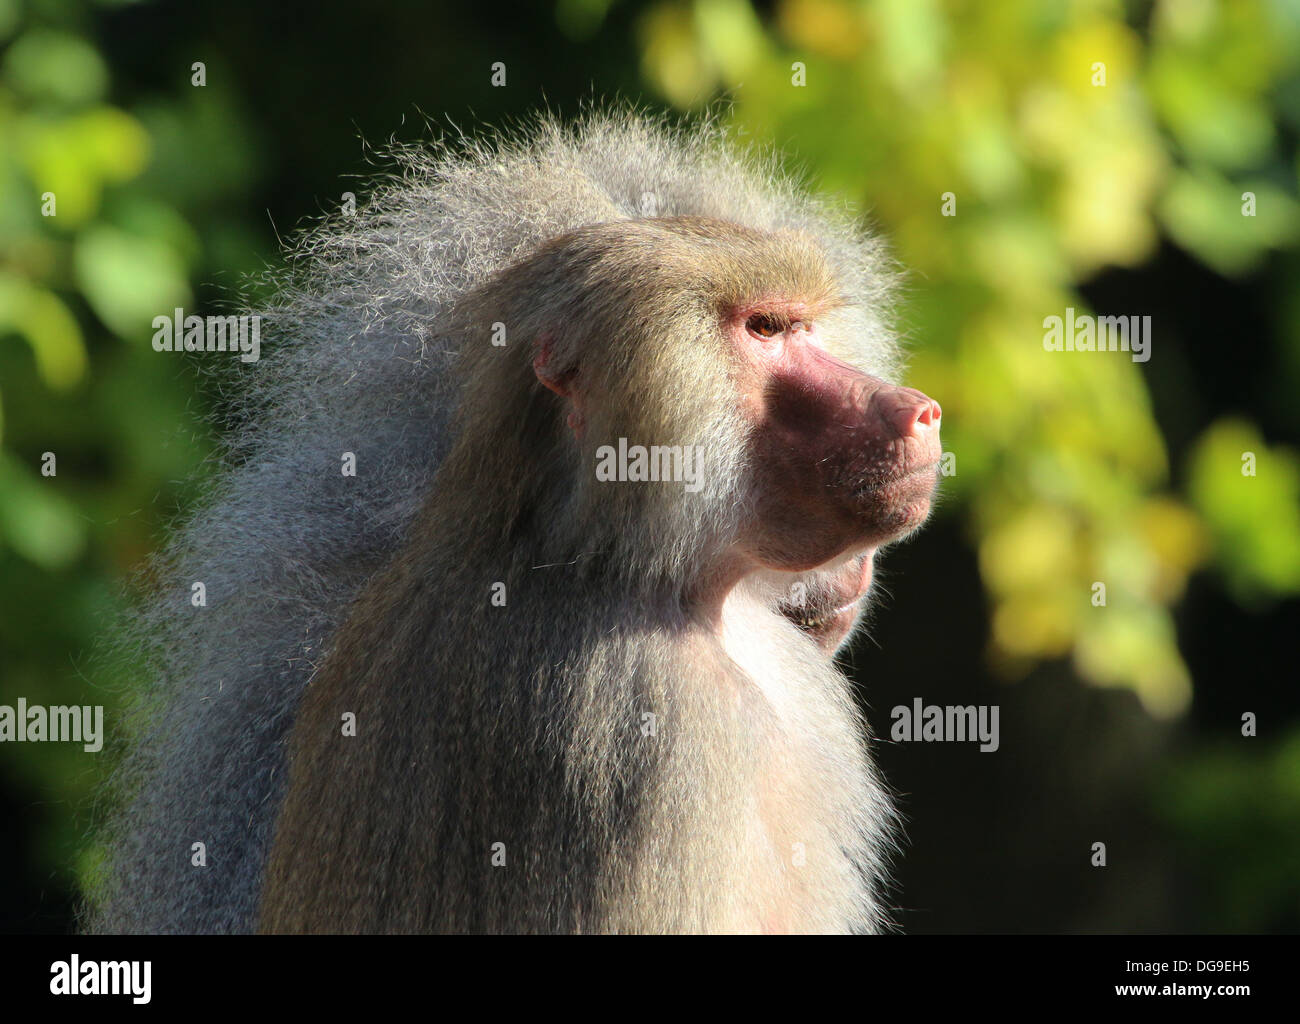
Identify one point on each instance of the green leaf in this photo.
(1255, 520)
(44, 64)
(35, 520)
(129, 279)
(49, 328)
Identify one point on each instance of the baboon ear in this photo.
(562, 382)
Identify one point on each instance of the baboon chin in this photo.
(558, 657)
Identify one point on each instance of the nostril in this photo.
(912, 414)
(905, 412)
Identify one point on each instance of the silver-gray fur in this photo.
(354, 360)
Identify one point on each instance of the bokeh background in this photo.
(1098, 154)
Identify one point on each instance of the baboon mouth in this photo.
(911, 477)
(804, 622)
(830, 611)
(828, 627)
(812, 621)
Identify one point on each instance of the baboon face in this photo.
(842, 462)
(689, 314)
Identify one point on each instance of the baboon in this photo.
(559, 656)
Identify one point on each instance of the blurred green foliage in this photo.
(1241, 814)
(1068, 142)
(97, 437)
(1057, 173)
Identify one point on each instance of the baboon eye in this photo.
(765, 325)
